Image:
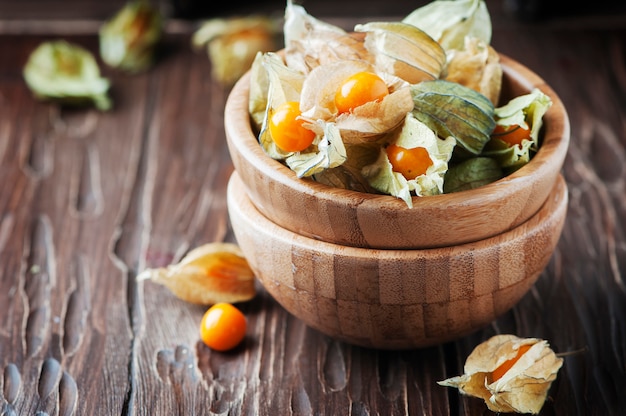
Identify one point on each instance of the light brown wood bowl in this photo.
(396, 299)
(381, 221)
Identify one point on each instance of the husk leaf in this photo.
(310, 42)
(66, 73)
(403, 50)
(477, 67)
(129, 39)
(451, 109)
(209, 274)
(523, 388)
(471, 174)
(449, 22)
(526, 111)
(413, 133)
(233, 43)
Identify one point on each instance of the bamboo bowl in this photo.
(396, 299)
(358, 219)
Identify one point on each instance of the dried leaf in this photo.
(348, 175)
(510, 374)
(67, 73)
(209, 274)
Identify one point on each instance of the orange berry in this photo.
(512, 135)
(359, 89)
(287, 130)
(223, 327)
(411, 163)
(506, 366)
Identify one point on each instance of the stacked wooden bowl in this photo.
(367, 269)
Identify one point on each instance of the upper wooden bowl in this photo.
(358, 219)
(396, 299)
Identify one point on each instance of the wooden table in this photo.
(89, 199)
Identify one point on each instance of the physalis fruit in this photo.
(223, 327)
(510, 374)
(209, 274)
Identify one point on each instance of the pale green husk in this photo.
(413, 134)
(449, 22)
(129, 39)
(67, 73)
(526, 111)
(451, 109)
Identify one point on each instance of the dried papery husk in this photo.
(477, 67)
(259, 87)
(450, 22)
(523, 388)
(371, 121)
(310, 42)
(306, 55)
(284, 84)
(364, 123)
(209, 274)
(317, 99)
(231, 56)
(328, 151)
(404, 50)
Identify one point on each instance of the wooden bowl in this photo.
(396, 299)
(358, 219)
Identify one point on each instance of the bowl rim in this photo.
(555, 142)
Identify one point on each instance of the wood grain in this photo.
(88, 199)
(396, 299)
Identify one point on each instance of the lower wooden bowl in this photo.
(396, 299)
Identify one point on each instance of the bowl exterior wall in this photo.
(396, 299)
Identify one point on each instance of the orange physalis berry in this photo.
(223, 327)
(506, 366)
(512, 135)
(287, 129)
(411, 163)
(359, 89)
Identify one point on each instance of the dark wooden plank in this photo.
(88, 199)
(66, 172)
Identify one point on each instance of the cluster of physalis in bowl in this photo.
(400, 108)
